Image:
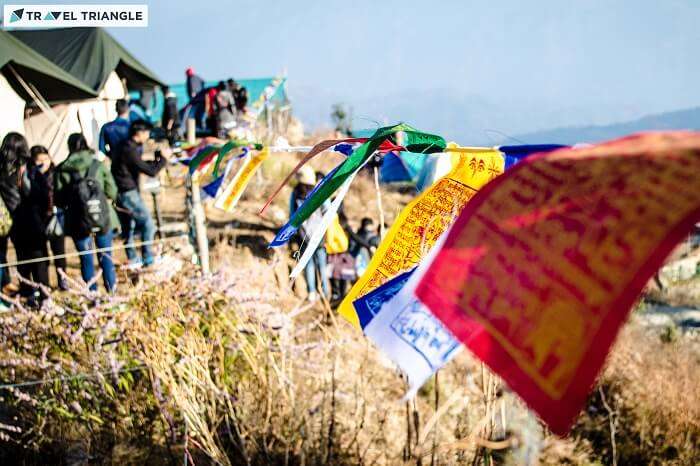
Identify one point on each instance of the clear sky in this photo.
(638, 56)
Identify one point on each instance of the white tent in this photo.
(12, 109)
(51, 129)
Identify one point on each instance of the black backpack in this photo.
(88, 209)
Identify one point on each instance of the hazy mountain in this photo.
(681, 119)
(468, 119)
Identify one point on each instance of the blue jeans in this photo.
(318, 261)
(138, 223)
(87, 261)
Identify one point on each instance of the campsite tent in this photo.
(26, 76)
(401, 167)
(94, 58)
(90, 55)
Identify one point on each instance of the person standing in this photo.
(15, 191)
(14, 152)
(114, 133)
(211, 108)
(241, 99)
(126, 169)
(195, 84)
(363, 244)
(29, 236)
(171, 118)
(48, 217)
(232, 86)
(225, 118)
(318, 265)
(85, 189)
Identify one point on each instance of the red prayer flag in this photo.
(540, 270)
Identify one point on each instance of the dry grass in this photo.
(223, 375)
(645, 408)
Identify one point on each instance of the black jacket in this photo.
(30, 216)
(9, 189)
(128, 164)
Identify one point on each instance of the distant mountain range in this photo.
(680, 119)
(476, 120)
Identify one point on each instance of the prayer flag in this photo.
(229, 198)
(541, 268)
(405, 329)
(422, 222)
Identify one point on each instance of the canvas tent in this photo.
(90, 55)
(99, 62)
(28, 77)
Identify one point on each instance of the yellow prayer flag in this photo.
(229, 198)
(422, 221)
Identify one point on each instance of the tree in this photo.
(342, 118)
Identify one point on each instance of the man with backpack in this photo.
(126, 169)
(85, 189)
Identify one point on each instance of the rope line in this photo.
(93, 251)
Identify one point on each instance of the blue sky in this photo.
(602, 60)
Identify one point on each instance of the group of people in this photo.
(85, 197)
(344, 255)
(216, 107)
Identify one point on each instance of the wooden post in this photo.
(200, 229)
(379, 203)
(191, 131)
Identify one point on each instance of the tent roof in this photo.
(90, 55)
(53, 83)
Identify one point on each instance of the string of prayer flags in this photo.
(514, 154)
(315, 150)
(543, 265)
(230, 196)
(423, 220)
(415, 141)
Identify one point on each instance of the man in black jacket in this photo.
(126, 169)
